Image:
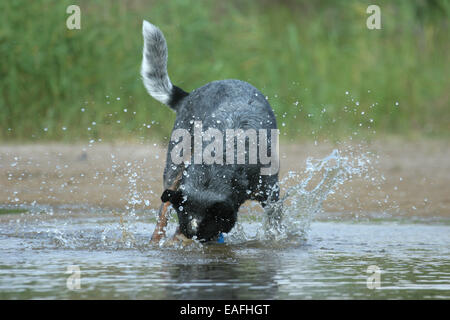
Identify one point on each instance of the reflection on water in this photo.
(331, 264)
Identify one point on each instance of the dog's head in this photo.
(205, 219)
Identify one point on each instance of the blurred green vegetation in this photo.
(12, 210)
(324, 73)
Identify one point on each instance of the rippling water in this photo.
(44, 251)
(332, 263)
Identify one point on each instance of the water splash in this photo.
(303, 195)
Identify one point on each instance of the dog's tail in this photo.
(154, 68)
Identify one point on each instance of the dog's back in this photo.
(225, 105)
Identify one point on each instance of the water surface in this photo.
(116, 261)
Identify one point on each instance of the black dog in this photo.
(206, 195)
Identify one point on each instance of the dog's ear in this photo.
(173, 196)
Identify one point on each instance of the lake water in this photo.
(114, 259)
(82, 252)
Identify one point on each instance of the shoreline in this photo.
(405, 178)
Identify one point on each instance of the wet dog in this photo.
(207, 183)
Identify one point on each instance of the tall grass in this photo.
(323, 71)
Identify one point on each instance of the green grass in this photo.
(12, 211)
(303, 55)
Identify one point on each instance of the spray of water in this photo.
(302, 198)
